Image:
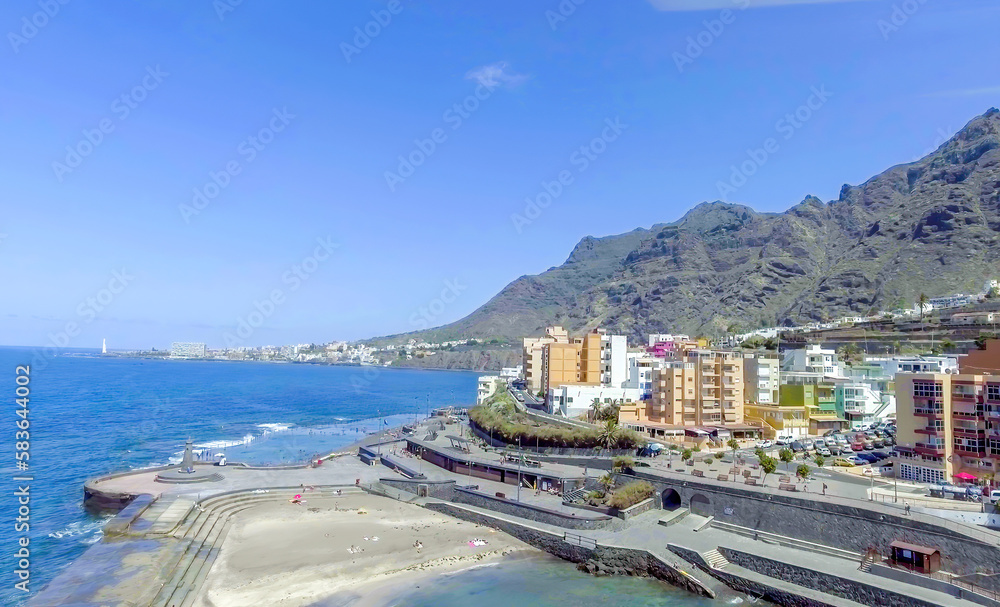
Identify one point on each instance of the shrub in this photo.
(630, 495)
(697, 448)
(709, 459)
(622, 462)
(499, 419)
(802, 471)
(686, 455)
(718, 455)
(820, 460)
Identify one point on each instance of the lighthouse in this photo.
(104, 346)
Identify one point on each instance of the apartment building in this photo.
(185, 349)
(891, 365)
(947, 424)
(576, 400)
(862, 405)
(813, 359)
(640, 373)
(614, 360)
(705, 389)
(486, 387)
(532, 355)
(761, 378)
(820, 403)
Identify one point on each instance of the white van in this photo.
(994, 496)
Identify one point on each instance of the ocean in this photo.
(90, 415)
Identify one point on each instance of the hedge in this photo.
(511, 428)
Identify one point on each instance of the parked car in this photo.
(764, 444)
(878, 443)
(868, 457)
(842, 440)
(881, 455)
(824, 452)
(807, 443)
(869, 445)
(994, 496)
(797, 446)
(784, 440)
(846, 450)
(834, 449)
(843, 462)
(857, 446)
(857, 461)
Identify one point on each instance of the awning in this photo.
(965, 476)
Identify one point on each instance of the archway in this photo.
(700, 505)
(671, 499)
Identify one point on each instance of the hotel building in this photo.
(947, 424)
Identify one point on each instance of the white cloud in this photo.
(496, 74)
(705, 5)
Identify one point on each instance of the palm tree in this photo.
(734, 445)
(922, 301)
(595, 410)
(606, 481)
(609, 433)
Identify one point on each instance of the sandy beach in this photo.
(357, 550)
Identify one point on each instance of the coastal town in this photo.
(743, 468)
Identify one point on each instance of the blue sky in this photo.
(300, 118)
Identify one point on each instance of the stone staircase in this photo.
(203, 530)
(715, 559)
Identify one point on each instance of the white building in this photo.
(185, 349)
(574, 401)
(813, 359)
(614, 360)
(655, 338)
(891, 365)
(487, 386)
(640, 372)
(863, 405)
(512, 372)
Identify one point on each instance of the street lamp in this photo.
(520, 455)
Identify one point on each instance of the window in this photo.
(927, 389)
(993, 391)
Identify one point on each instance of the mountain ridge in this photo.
(929, 226)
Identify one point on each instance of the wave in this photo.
(92, 530)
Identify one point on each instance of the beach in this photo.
(357, 549)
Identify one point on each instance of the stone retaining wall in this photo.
(599, 560)
(529, 512)
(827, 522)
(824, 582)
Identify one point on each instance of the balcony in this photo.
(958, 414)
(930, 412)
(963, 397)
(968, 431)
(970, 450)
(929, 449)
(930, 431)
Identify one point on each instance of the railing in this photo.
(928, 411)
(949, 578)
(579, 540)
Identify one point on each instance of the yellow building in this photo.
(779, 419)
(703, 391)
(574, 363)
(532, 355)
(947, 425)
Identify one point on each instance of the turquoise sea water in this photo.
(91, 415)
(544, 582)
